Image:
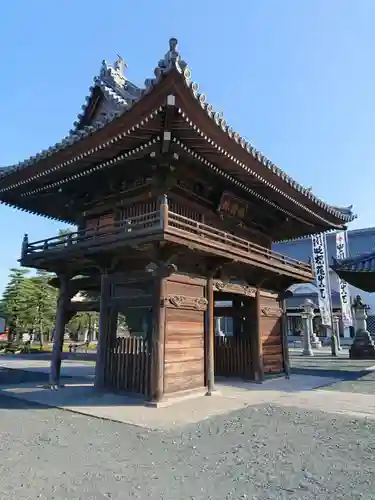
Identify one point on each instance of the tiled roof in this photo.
(119, 93)
(361, 264)
(302, 291)
(358, 271)
(296, 301)
(120, 96)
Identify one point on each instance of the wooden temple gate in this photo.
(171, 351)
(169, 202)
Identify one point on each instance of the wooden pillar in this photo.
(284, 338)
(210, 338)
(104, 319)
(158, 339)
(113, 323)
(164, 212)
(58, 337)
(236, 316)
(258, 347)
(248, 335)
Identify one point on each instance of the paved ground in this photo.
(322, 361)
(280, 448)
(256, 453)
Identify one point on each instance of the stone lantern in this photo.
(363, 346)
(310, 340)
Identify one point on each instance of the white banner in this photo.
(322, 277)
(341, 253)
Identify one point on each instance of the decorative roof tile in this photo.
(120, 95)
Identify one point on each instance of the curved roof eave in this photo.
(123, 94)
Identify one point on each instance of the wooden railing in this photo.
(164, 221)
(127, 367)
(218, 237)
(128, 228)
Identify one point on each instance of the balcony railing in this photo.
(216, 238)
(163, 222)
(132, 227)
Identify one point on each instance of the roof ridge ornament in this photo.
(119, 93)
(120, 65)
(114, 74)
(172, 59)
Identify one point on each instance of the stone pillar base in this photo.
(315, 342)
(307, 352)
(363, 346)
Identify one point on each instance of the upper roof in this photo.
(112, 96)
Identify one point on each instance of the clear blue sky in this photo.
(297, 78)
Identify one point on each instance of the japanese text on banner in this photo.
(322, 277)
(341, 253)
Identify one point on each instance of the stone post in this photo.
(218, 330)
(336, 330)
(314, 339)
(307, 315)
(363, 346)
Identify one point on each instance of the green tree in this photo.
(16, 302)
(44, 301)
(65, 232)
(28, 303)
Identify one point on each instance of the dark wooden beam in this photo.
(101, 356)
(58, 335)
(158, 340)
(210, 337)
(257, 343)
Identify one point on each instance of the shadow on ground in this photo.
(33, 387)
(12, 376)
(46, 356)
(307, 374)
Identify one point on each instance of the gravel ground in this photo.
(257, 453)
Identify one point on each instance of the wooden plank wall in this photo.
(184, 330)
(94, 223)
(270, 330)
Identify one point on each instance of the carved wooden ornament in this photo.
(186, 302)
(247, 290)
(269, 311)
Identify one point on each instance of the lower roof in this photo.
(358, 271)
